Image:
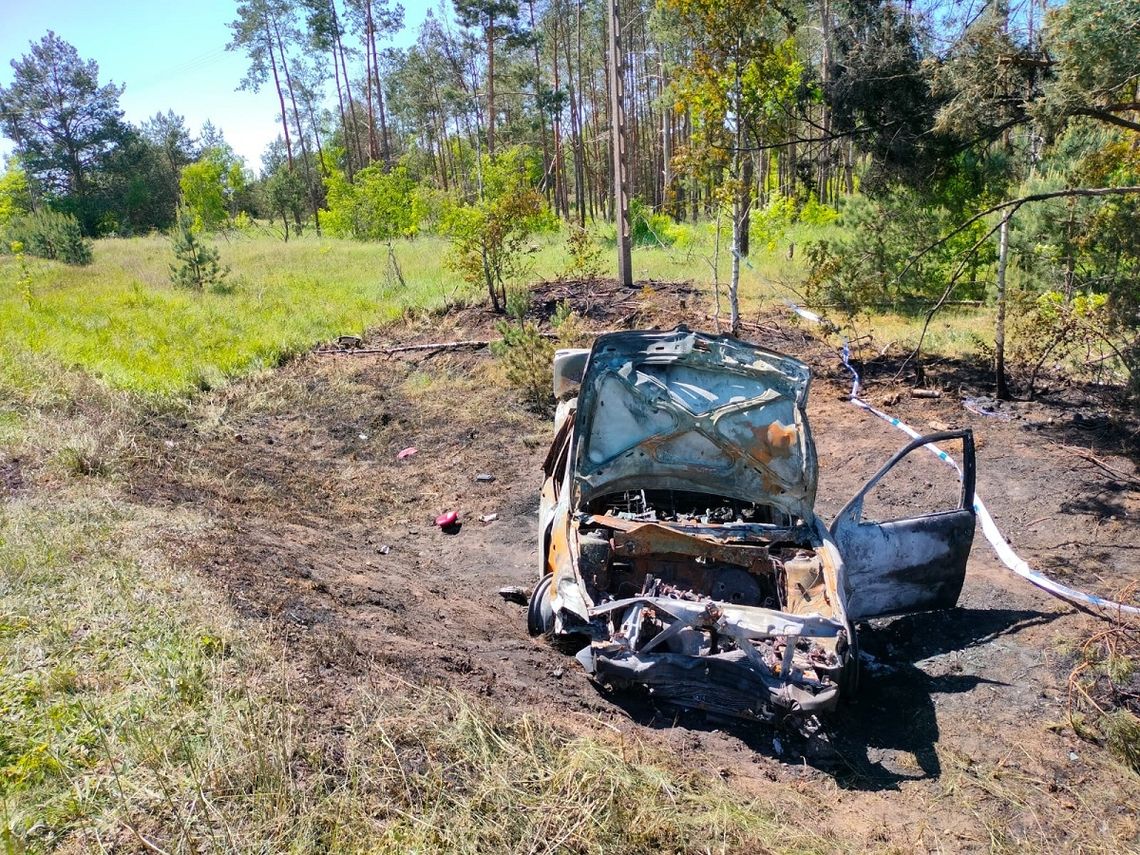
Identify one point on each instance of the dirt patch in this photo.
(951, 744)
(11, 477)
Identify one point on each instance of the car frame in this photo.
(748, 607)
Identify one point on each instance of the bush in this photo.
(377, 205)
(197, 264)
(50, 234)
(585, 255)
(527, 356)
(647, 228)
(489, 235)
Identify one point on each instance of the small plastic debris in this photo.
(364, 436)
(515, 594)
(484, 478)
(447, 520)
(777, 746)
(557, 673)
(986, 407)
(1073, 755)
(489, 518)
(407, 452)
(384, 550)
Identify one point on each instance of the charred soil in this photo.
(956, 739)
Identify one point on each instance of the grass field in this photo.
(121, 321)
(135, 710)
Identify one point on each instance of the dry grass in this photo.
(1104, 688)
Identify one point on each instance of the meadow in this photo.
(121, 321)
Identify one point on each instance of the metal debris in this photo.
(679, 535)
(515, 594)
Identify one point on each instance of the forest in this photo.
(237, 398)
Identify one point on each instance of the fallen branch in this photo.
(407, 348)
(474, 343)
(1092, 458)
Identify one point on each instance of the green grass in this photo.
(138, 716)
(121, 321)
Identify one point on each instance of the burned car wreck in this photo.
(680, 543)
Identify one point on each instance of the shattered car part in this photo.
(680, 541)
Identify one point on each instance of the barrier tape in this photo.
(993, 534)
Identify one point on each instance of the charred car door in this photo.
(907, 565)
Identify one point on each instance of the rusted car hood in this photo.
(686, 411)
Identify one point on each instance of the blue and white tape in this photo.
(993, 534)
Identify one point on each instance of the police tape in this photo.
(990, 529)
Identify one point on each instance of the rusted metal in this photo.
(680, 539)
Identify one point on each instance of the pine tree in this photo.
(197, 262)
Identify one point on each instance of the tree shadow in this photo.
(887, 732)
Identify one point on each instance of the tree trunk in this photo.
(351, 104)
(737, 213)
(999, 329)
(280, 97)
(491, 87)
(314, 193)
(385, 151)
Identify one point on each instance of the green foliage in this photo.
(1095, 48)
(210, 186)
(815, 214)
(769, 225)
(489, 235)
(647, 228)
(196, 263)
(64, 122)
(284, 195)
(376, 205)
(15, 192)
(585, 254)
(527, 357)
(50, 234)
(879, 262)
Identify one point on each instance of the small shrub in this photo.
(88, 457)
(489, 235)
(568, 325)
(647, 228)
(585, 255)
(527, 355)
(815, 214)
(1122, 736)
(519, 301)
(50, 234)
(197, 264)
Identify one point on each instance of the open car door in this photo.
(907, 565)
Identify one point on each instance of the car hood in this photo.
(682, 410)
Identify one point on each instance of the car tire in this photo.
(539, 614)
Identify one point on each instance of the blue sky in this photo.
(171, 56)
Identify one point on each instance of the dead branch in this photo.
(1092, 458)
(1015, 204)
(406, 348)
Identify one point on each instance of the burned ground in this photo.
(956, 739)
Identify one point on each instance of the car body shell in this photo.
(680, 542)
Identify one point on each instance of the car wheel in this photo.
(539, 614)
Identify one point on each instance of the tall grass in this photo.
(121, 321)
